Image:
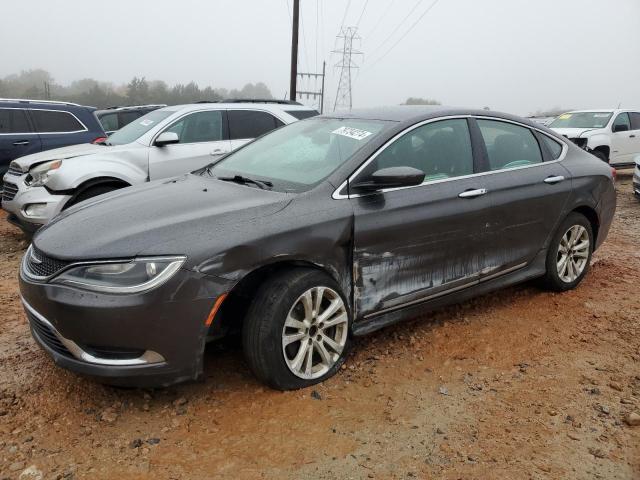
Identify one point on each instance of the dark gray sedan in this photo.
(324, 229)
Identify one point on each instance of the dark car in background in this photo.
(324, 229)
(114, 118)
(31, 126)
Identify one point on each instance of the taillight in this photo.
(614, 172)
(100, 140)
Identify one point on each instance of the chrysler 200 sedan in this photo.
(322, 230)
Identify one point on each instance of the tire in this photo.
(282, 299)
(90, 193)
(601, 155)
(566, 271)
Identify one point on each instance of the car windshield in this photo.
(299, 156)
(134, 130)
(582, 120)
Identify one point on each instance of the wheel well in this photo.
(592, 216)
(604, 149)
(236, 305)
(94, 182)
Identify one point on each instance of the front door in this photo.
(527, 189)
(202, 140)
(623, 140)
(415, 243)
(17, 138)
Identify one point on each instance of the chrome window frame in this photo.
(337, 195)
(18, 133)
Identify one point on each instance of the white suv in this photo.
(163, 143)
(611, 135)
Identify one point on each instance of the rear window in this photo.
(13, 121)
(302, 114)
(635, 120)
(109, 121)
(55, 121)
(509, 145)
(245, 124)
(555, 148)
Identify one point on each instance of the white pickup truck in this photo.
(611, 135)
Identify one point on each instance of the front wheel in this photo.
(296, 332)
(569, 253)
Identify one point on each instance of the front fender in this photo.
(74, 173)
(598, 140)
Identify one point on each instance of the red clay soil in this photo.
(519, 384)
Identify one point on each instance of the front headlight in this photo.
(39, 175)
(134, 276)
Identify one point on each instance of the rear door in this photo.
(634, 134)
(203, 139)
(17, 137)
(245, 125)
(623, 143)
(528, 188)
(58, 128)
(415, 243)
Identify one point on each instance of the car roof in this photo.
(416, 113)
(131, 107)
(23, 102)
(605, 110)
(235, 106)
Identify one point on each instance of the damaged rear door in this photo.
(415, 243)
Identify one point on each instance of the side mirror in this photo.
(393, 177)
(166, 138)
(621, 127)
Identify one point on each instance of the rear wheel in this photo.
(90, 193)
(569, 253)
(296, 332)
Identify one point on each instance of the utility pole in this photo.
(314, 93)
(344, 93)
(293, 87)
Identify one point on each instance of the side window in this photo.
(440, 149)
(13, 121)
(250, 124)
(509, 145)
(199, 127)
(635, 121)
(109, 122)
(555, 148)
(48, 121)
(622, 123)
(127, 117)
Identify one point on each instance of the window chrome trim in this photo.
(337, 195)
(36, 132)
(149, 357)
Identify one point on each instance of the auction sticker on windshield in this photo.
(350, 132)
(566, 116)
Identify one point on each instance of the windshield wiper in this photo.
(244, 180)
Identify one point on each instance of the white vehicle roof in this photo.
(269, 107)
(605, 110)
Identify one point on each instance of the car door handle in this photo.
(478, 192)
(632, 136)
(554, 180)
(22, 142)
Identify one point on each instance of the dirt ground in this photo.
(519, 384)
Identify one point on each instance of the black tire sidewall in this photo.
(262, 333)
(599, 154)
(552, 277)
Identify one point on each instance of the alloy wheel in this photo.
(315, 333)
(573, 253)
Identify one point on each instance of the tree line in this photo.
(39, 84)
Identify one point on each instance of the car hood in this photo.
(169, 217)
(573, 132)
(73, 151)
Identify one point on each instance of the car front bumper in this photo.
(151, 339)
(18, 196)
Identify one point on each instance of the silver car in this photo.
(164, 143)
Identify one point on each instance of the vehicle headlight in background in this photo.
(134, 276)
(39, 175)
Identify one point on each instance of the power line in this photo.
(344, 17)
(382, 17)
(399, 25)
(362, 14)
(405, 34)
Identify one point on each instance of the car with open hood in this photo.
(319, 231)
(163, 143)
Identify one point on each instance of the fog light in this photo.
(35, 209)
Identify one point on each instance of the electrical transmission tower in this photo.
(344, 95)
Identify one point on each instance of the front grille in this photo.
(9, 191)
(40, 265)
(46, 335)
(14, 170)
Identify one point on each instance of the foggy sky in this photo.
(512, 55)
